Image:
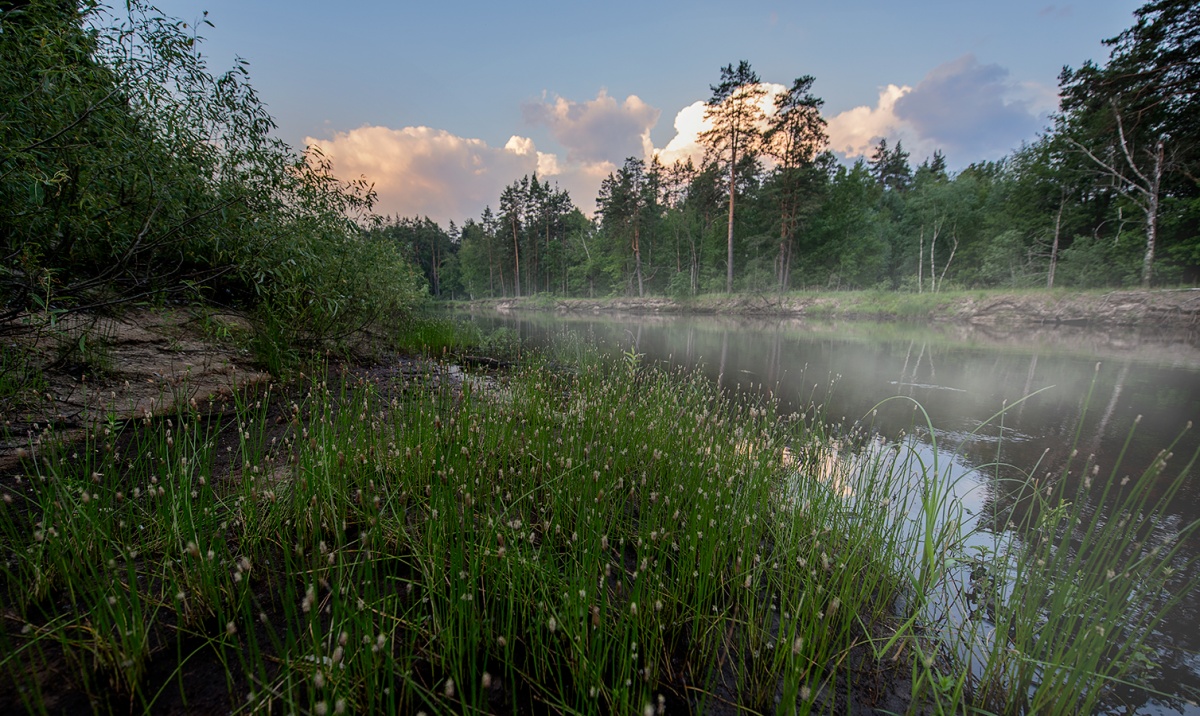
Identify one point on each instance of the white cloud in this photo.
(968, 110)
(690, 124)
(419, 171)
(547, 164)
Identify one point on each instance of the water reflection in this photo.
(1090, 390)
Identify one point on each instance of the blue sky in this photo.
(442, 104)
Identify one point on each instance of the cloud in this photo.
(420, 171)
(854, 132)
(1057, 12)
(598, 130)
(690, 124)
(968, 110)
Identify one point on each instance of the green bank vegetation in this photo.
(130, 173)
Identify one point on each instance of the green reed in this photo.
(620, 539)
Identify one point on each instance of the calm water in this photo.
(1094, 382)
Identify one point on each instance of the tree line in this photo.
(1107, 195)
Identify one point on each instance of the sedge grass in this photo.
(620, 539)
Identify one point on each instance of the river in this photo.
(1105, 385)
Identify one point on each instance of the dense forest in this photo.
(130, 172)
(1106, 196)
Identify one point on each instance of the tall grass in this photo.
(1085, 564)
(619, 539)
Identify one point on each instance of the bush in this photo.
(1094, 263)
(129, 172)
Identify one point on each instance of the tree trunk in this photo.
(729, 245)
(516, 261)
(1054, 246)
(932, 263)
(433, 264)
(921, 261)
(1152, 216)
(694, 272)
(787, 267)
(781, 263)
(938, 285)
(1137, 186)
(637, 260)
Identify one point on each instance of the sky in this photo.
(442, 104)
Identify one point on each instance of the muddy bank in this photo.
(96, 369)
(1175, 309)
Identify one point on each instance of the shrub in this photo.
(129, 172)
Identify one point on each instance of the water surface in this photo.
(1070, 386)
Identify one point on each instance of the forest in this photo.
(1106, 196)
(130, 172)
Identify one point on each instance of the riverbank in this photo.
(1176, 309)
(574, 534)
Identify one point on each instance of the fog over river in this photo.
(1081, 380)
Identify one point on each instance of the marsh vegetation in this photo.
(578, 535)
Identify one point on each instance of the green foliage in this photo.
(436, 336)
(22, 380)
(679, 288)
(1093, 263)
(1131, 122)
(367, 547)
(428, 244)
(129, 172)
(82, 349)
(630, 214)
(502, 343)
(1005, 261)
(404, 547)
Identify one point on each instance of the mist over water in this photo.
(1120, 396)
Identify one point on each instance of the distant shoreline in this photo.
(1177, 309)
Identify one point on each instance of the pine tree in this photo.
(736, 134)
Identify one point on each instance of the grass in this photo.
(1085, 563)
(22, 380)
(446, 337)
(614, 539)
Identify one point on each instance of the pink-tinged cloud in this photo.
(854, 132)
(420, 171)
(966, 109)
(598, 130)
